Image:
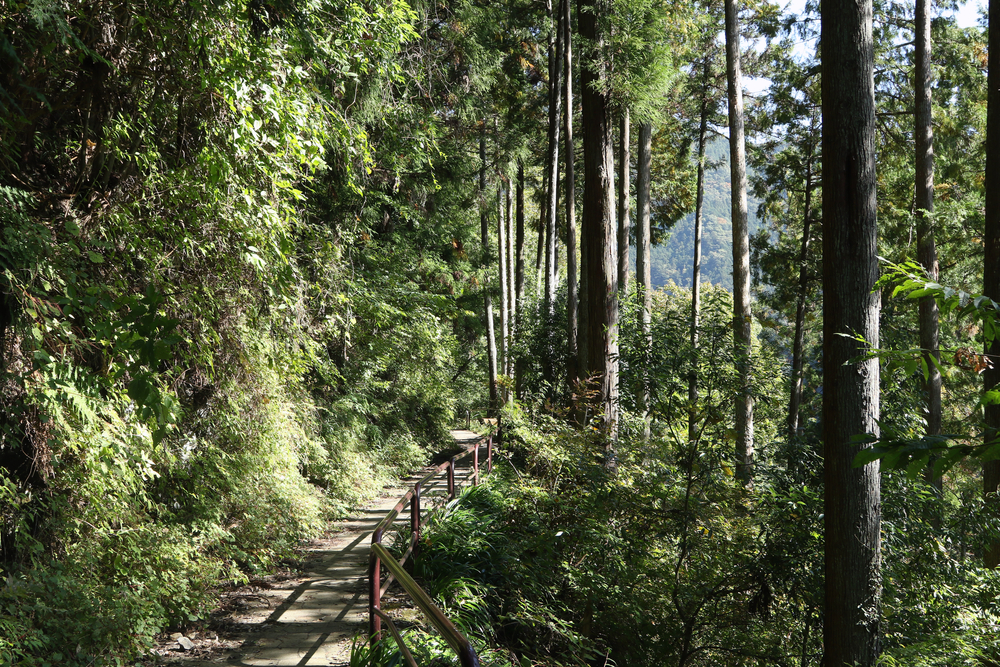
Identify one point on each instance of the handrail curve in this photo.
(379, 556)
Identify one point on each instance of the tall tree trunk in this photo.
(624, 185)
(552, 165)
(599, 228)
(795, 398)
(570, 197)
(519, 267)
(991, 268)
(924, 196)
(543, 230)
(583, 314)
(484, 229)
(510, 275)
(742, 330)
(644, 165)
(502, 275)
(851, 306)
(699, 208)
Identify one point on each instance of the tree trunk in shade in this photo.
(484, 228)
(518, 266)
(644, 165)
(509, 193)
(552, 166)
(798, 345)
(991, 273)
(742, 329)
(570, 197)
(851, 305)
(699, 208)
(599, 229)
(924, 200)
(624, 201)
(502, 275)
(543, 229)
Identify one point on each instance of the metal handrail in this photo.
(466, 653)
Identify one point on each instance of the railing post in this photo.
(415, 518)
(489, 454)
(451, 478)
(475, 465)
(374, 591)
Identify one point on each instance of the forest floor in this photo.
(309, 614)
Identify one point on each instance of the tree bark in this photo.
(552, 165)
(742, 329)
(624, 185)
(924, 200)
(518, 267)
(991, 268)
(502, 275)
(508, 190)
(851, 307)
(543, 230)
(599, 228)
(644, 166)
(484, 228)
(699, 208)
(570, 197)
(795, 397)
(519, 246)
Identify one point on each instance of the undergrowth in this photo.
(668, 561)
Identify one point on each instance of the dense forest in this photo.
(257, 257)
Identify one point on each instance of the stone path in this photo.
(311, 619)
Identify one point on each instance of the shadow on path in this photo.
(312, 620)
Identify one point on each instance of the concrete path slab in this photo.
(311, 619)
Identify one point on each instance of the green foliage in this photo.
(205, 354)
(898, 447)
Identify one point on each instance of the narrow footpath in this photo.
(312, 617)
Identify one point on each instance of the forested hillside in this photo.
(256, 258)
(671, 259)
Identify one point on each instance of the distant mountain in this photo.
(672, 260)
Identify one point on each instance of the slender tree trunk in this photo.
(570, 196)
(502, 271)
(510, 276)
(552, 165)
(851, 306)
(699, 208)
(519, 246)
(624, 201)
(991, 272)
(519, 268)
(599, 229)
(742, 330)
(795, 398)
(484, 228)
(926, 248)
(644, 165)
(583, 312)
(543, 229)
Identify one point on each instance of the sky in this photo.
(967, 14)
(967, 17)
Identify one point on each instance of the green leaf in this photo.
(916, 465)
(96, 258)
(138, 389)
(866, 456)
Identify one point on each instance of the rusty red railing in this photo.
(379, 557)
